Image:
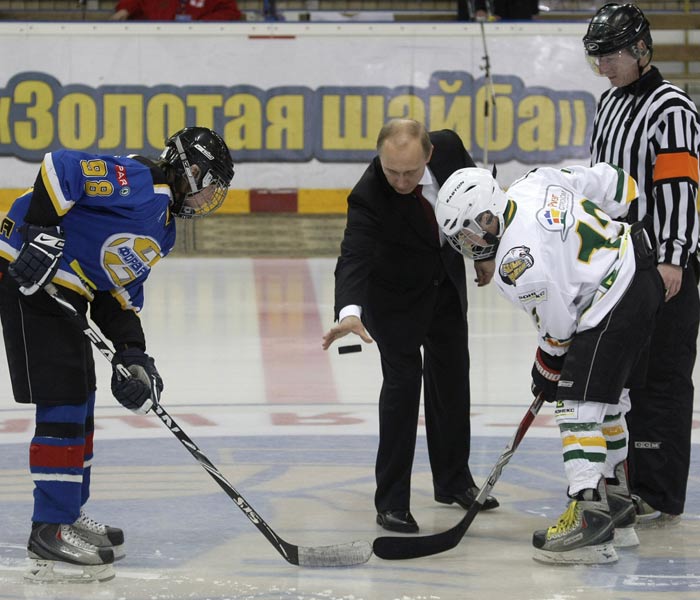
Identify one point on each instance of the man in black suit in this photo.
(396, 277)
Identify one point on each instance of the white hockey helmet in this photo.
(467, 194)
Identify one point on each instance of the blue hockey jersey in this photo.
(114, 211)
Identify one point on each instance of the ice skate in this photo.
(650, 518)
(583, 535)
(622, 508)
(59, 554)
(100, 535)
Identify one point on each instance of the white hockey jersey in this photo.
(562, 257)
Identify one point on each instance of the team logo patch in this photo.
(648, 445)
(516, 261)
(120, 172)
(7, 227)
(125, 257)
(535, 296)
(204, 151)
(555, 214)
(122, 180)
(566, 411)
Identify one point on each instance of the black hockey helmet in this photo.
(615, 27)
(204, 187)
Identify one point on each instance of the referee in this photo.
(649, 128)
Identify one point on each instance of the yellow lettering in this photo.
(501, 118)
(36, 133)
(286, 117)
(77, 121)
(6, 227)
(566, 122)
(147, 250)
(94, 168)
(457, 117)
(353, 132)
(245, 129)
(580, 119)
(165, 114)
(99, 188)
(406, 106)
(5, 137)
(204, 105)
(122, 122)
(537, 132)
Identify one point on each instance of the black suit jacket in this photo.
(390, 264)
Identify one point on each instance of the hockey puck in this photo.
(349, 349)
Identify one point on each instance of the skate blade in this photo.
(658, 522)
(625, 537)
(49, 571)
(588, 555)
(119, 552)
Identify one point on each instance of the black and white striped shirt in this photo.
(650, 129)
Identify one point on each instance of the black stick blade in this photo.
(402, 548)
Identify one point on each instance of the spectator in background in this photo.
(177, 10)
(506, 10)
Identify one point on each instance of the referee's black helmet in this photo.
(615, 27)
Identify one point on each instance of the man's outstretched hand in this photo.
(351, 324)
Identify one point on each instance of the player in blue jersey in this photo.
(94, 226)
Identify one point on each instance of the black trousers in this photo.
(661, 418)
(49, 358)
(613, 355)
(444, 371)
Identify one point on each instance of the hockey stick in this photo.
(340, 555)
(398, 548)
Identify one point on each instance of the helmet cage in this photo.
(473, 242)
(207, 187)
(463, 199)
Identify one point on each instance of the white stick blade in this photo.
(341, 555)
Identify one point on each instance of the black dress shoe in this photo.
(397, 520)
(466, 499)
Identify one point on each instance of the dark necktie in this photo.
(429, 212)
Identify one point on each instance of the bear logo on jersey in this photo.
(126, 257)
(516, 261)
(554, 215)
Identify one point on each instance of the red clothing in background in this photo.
(168, 10)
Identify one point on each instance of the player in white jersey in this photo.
(588, 283)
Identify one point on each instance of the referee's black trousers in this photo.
(661, 419)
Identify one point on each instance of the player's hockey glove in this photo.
(140, 391)
(38, 258)
(545, 374)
